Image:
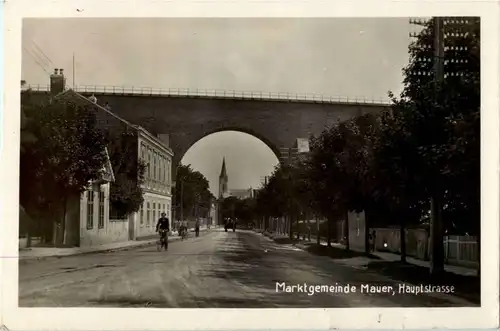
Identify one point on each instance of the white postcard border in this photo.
(211, 319)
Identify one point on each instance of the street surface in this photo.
(216, 270)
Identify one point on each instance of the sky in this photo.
(360, 57)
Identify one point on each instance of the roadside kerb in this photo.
(26, 259)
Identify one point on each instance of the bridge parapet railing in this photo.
(217, 93)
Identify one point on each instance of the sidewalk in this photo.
(464, 280)
(458, 270)
(37, 253)
(364, 260)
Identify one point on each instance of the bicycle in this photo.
(163, 241)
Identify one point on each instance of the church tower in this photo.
(223, 179)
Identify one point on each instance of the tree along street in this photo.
(415, 164)
(218, 269)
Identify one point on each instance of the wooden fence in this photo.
(458, 250)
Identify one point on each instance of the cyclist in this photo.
(182, 229)
(164, 227)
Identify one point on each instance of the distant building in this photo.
(242, 193)
(225, 192)
(213, 214)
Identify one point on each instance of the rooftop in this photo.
(71, 92)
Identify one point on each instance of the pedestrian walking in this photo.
(197, 228)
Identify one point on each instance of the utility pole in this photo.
(436, 226)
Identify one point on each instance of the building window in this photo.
(101, 209)
(142, 214)
(148, 214)
(143, 152)
(90, 210)
(161, 169)
(154, 211)
(149, 163)
(155, 156)
(167, 166)
(157, 174)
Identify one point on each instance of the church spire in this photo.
(223, 180)
(223, 172)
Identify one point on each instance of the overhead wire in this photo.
(40, 57)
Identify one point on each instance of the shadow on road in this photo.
(336, 253)
(285, 241)
(467, 287)
(256, 272)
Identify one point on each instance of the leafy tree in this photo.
(67, 153)
(284, 195)
(27, 137)
(328, 173)
(192, 193)
(230, 207)
(126, 195)
(395, 185)
(339, 172)
(244, 210)
(444, 165)
(247, 210)
(264, 204)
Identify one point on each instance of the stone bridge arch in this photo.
(182, 147)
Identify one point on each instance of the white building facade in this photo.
(96, 226)
(157, 185)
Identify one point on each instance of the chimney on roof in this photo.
(57, 82)
(92, 98)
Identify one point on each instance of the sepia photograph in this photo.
(267, 199)
(259, 162)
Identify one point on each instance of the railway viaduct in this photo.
(186, 116)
